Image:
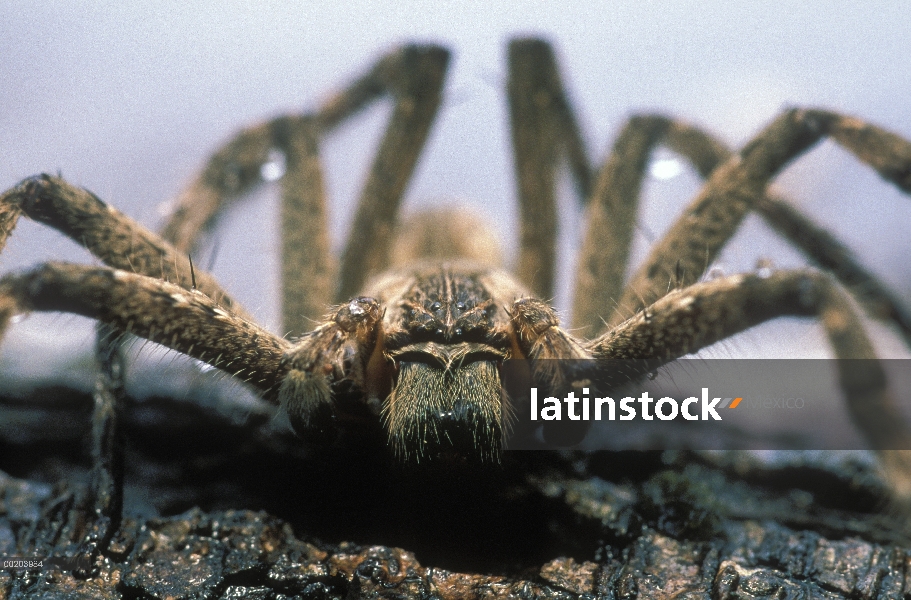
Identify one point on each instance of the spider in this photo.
(423, 315)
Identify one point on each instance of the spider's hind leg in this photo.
(739, 185)
(611, 216)
(285, 148)
(543, 127)
(108, 444)
(413, 75)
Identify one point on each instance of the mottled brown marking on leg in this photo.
(604, 254)
(739, 186)
(687, 320)
(535, 148)
(610, 223)
(306, 259)
(183, 320)
(414, 76)
(114, 238)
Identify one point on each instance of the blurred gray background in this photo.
(128, 99)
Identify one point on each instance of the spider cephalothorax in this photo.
(425, 350)
(417, 350)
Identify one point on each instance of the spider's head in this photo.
(446, 401)
(436, 388)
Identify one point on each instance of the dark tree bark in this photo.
(217, 508)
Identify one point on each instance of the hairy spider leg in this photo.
(738, 185)
(543, 129)
(115, 239)
(187, 321)
(691, 318)
(544, 124)
(734, 188)
(413, 75)
(605, 250)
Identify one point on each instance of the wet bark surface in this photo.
(223, 507)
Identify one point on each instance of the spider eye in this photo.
(436, 306)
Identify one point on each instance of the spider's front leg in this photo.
(108, 234)
(687, 320)
(344, 351)
(184, 320)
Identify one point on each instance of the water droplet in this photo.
(716, 272)
(665, 168)
(167, 208)
(274, 167)
(17, 318)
